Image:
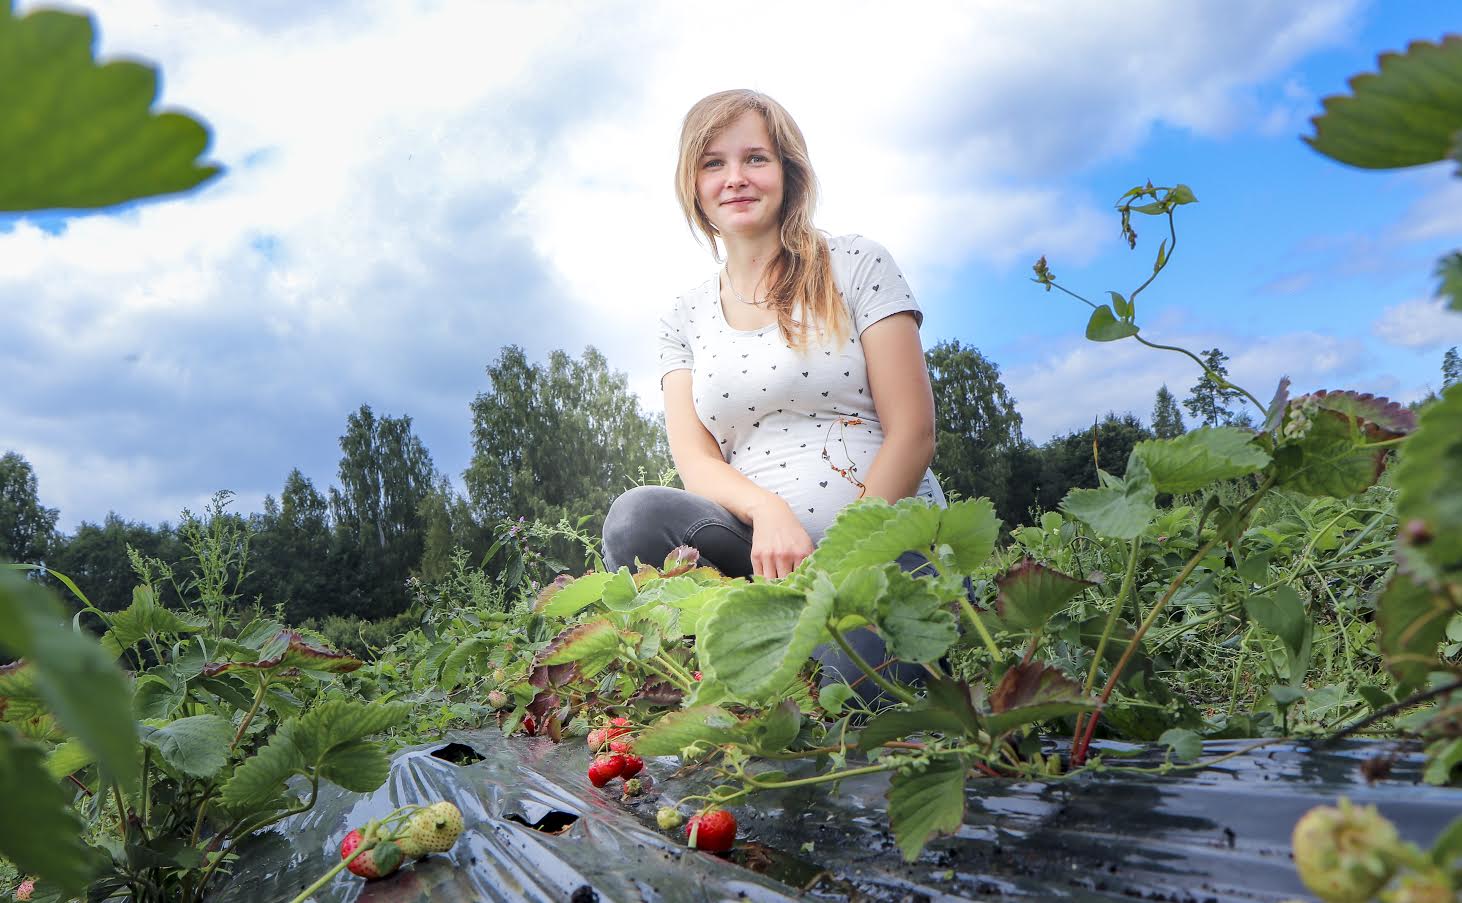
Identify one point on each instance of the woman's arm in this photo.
(779, 541)
(899, 380)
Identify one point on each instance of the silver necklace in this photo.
(731, 285)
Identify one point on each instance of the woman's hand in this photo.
(778, 540)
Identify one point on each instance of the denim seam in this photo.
(706, 522)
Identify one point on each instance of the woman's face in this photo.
(739, 182)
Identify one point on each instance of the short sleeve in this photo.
(675, 350)
(877, 288)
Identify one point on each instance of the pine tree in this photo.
(1451, 367)
(1167, 420)
(1210, 401)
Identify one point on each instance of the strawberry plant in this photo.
(208, 731)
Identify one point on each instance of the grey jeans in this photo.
(648, 521)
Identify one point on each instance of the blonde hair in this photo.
(803, 269)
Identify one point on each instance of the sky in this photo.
(411, 186)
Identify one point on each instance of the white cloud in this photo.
(1421, 323)
(413, 185)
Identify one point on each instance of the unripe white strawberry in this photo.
(1345, 854)
(26, 888)
(433, 829)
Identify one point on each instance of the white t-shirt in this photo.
(774, 409)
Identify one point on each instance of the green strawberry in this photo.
(433, 829)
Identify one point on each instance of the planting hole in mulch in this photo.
(457, 754)
(552, 822)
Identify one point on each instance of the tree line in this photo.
(551, 440)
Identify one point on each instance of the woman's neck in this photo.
(749, 261)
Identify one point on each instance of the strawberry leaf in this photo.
(1412, 619)
(923, 803)
(1122, 508)
(40, 834)
(1380, 417)
(579, 642)
(289, 650)
(566, 600)
(708, 724)
(79, 683)
(75, 134)
(144, 618)
(1105, 327)
(1031, 692)
(1332, 459)
(969, 527)
(1429, 486)
(1407, 114)
(871, 531)
(197, 746)
(1205, 455)
(1031, 592)
(761, 636)
(913, 618)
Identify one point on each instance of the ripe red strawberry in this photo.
(619, 721)
(633, 765)
(714, 832)
(605, 769)
(377, 862)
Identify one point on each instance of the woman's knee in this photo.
(634, 521)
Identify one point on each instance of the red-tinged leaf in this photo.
(542, 705)
(298, 654)
(546, 594)
(1034, 691)
(1381, 417)
(591, 639)
(681, 559)
(1030, 593)
(658, 693)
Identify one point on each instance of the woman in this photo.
(794, 379)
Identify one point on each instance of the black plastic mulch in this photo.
(538, 831)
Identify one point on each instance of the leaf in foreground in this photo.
(77, 680)
(75, 134)
(761, 635)
(1191, 461)
(924, 803)
(39, 833)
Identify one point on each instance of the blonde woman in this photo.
(794, 378)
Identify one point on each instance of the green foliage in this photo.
(925, 801)
(1167, 419)
(103, 145)
(1122, 508)
(553, 439)
(27, 528)
(1210, 400)
(1192, 461)
(977, 428)
(1405, 115)
(47, 839)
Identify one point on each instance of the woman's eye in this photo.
(710, 163)
(758, 158)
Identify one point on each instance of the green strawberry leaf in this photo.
(1205, 455)
(871, 531)
(1412, 620)
(566, 600)
(913, 619)
(923, 803)
(1407, 114)
(970, 528)
(197, 746)
(79, 682)
(591, 639)
(898, 723)
(1429, 486)
(760, 637)
(144, 618)
(75, 134)
(1122, 508)
(708, 724)
(1332, 459)
(41, 835)
(324, 740)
